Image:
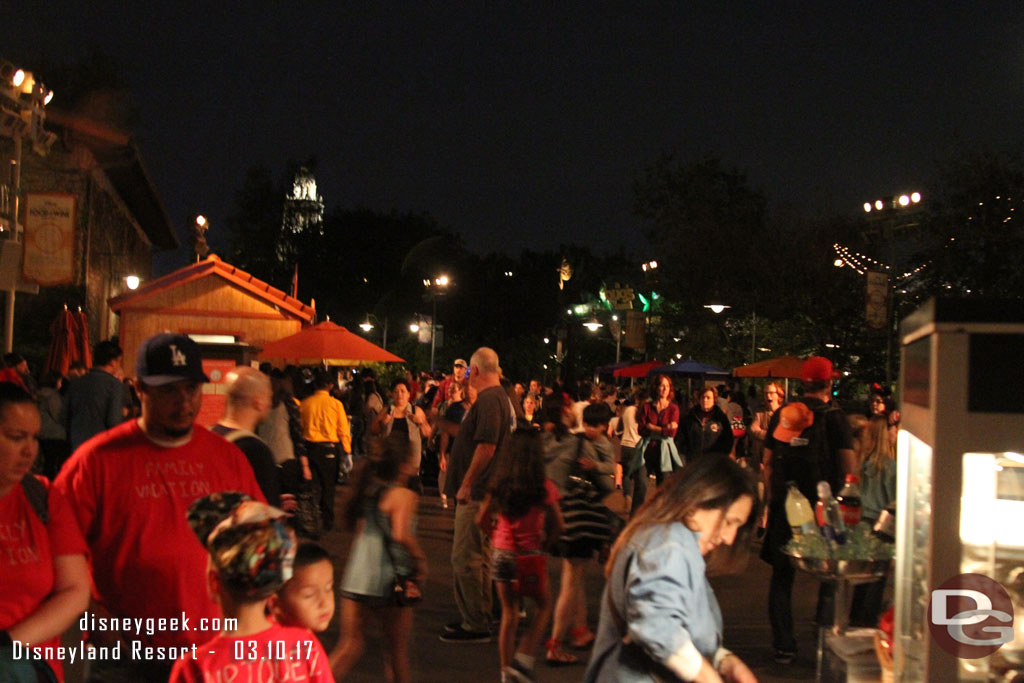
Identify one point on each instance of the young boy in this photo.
(251, 553)
(307, 599)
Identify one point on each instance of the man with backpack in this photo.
(808, 441)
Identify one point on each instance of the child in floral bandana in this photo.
(251, 555)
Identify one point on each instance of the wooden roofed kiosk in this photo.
(228, 311)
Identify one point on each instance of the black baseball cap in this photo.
(166, 358)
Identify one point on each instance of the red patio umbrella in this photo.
(638, 370)
(326, 343)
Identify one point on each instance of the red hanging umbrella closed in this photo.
(83, 351)
(326, 343)
(62, 343)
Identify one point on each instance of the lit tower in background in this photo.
(303, 211)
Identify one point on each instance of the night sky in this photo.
(521, 125)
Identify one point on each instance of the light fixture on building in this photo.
(132, 281)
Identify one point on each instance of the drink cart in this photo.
(961, 489)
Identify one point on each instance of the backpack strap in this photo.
(236, 434)
(37, 496)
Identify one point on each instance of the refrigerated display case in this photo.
(961, 476)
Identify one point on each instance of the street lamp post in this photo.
(366, 326)
(437, 287)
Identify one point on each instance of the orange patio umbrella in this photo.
(326, 343)
(783, 367)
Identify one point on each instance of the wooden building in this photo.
(119, 221)
(235, 312)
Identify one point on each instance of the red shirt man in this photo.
(130, 488)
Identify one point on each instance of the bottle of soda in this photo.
(849, 500)
(829, 516)
(798, 512)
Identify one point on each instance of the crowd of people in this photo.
(104, 522)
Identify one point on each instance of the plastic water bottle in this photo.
(798, 512)
(849, 500)
(829, 516)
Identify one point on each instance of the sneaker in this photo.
(461, 635)
(452, 627)
(519, 673)
(784, 656)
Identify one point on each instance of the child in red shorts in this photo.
(522, 516)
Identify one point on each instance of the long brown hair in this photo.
(711, 482)
(876, 446)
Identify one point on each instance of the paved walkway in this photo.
(743, 598)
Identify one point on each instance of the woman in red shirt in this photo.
(44, 585)
(657, 424)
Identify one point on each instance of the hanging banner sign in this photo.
(876, 311)
(636, 337)
(49, 238)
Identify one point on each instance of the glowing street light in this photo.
(593, 325)
(201, 221)
(366, 325)
(436, 288)
(717, 308)
(132, 281)
(414, 327)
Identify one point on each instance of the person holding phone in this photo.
(401, 416)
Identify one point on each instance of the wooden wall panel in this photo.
(209, 305)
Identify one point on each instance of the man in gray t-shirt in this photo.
(480, 436)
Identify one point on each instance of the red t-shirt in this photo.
(130, 497)
(280, 653)
(27, 549)
(525, 534)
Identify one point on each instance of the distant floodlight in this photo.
(904, 200)
(426, 283)
(867, 207)
(201, 221)
(593, 325)
(442, 281)
(915, 197)
(717, 308)
(132, 281)
(879, 205)
(547, 340)
(838, 263)
(414, 327)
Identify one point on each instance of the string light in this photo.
(860, 262)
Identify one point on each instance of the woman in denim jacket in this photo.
(659, 616)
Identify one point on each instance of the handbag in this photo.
(23, 670)
(405, 591)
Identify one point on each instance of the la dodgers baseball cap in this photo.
(166, 358)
